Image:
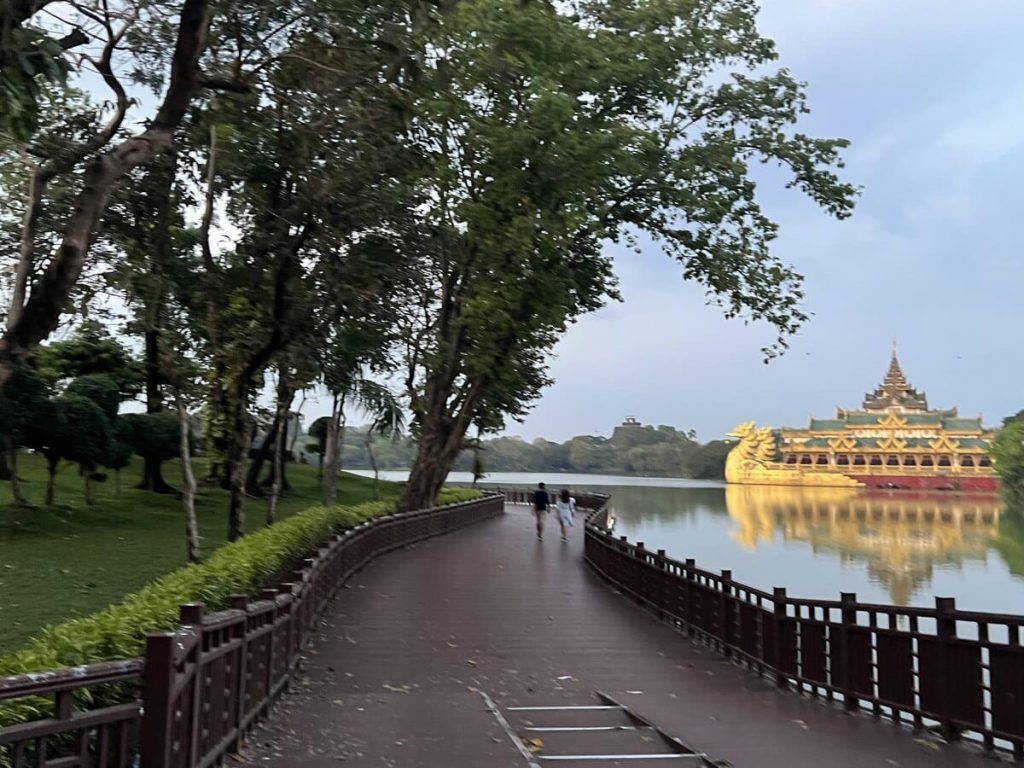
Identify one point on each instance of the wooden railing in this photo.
(960, 673)
(206, 684)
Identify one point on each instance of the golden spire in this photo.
(895, 391)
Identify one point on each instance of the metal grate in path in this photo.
(598, 735)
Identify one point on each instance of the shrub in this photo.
(242, 567)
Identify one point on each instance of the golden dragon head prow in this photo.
(744, 431)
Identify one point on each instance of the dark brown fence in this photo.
(205, 685)
(958, 672)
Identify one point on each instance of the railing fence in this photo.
(960, 673)
(200, 689)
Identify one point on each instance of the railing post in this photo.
(848, 600)
(945, 631)
(779, 598)
(157, 704)
(241, 603)
(663, 587)
(724, 603)
(191, 615)
(689, 611)
(640, 554)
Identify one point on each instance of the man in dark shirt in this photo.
(540, 508)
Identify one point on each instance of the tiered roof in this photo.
(895, 393)
(895, 404)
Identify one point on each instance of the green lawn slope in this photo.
(71, 559)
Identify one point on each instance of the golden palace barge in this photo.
(893, 441)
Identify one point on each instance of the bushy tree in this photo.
(554, 129)
(155, 437)
(1007, 452)
(101, 388)
(77, 431)
(25, 411)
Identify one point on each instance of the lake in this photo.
(887, 546)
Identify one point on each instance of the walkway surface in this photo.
(394, 677)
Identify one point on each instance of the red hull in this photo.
(983, 483)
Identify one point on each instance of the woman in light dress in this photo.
(565, 505)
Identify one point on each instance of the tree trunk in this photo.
(238, 456)
(275, 487)
(373, 463)
(12, 469)
(332, 451)
(252, 475)
(88, 487)
(285, 395)
(152, 474)
(51, 479)
(298, 413)
(436, 453)
(188, 482)
(117, 483)
(153, 477)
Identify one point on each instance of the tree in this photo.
(152, 265)
(1007, 452)
(91, 350)
(372, 398)
(102, 160)
(78, 432)
(155, 437)
(708, 462)
(310, 173)
(318, 429)
(554, 130)
(119, 451)
(101, 388)
(24, 413)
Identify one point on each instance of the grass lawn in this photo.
(72, 559)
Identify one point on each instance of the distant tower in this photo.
(631, 422)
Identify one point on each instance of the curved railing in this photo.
(205, 685)
(960, 673)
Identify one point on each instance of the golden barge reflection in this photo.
(901, 536)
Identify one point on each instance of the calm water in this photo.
(885, 546)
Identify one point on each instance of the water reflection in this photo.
(900, 537)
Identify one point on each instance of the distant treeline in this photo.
(661, 451)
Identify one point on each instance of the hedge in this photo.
(242, 567)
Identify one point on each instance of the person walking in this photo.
(565, 505)
(540, 508)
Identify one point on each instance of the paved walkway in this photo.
(393, 678)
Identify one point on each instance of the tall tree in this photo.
(151, 264)
(101, 161)
(310, 175)
(555, 129)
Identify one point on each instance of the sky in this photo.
(931, 95)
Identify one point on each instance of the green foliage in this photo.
(119, 450)
(101, 388)
(24, 406)
(92, 350)
(243, 567)
(641, 450)
(1007, 452)
(30, 61)
(152, 435)
(83, 431)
